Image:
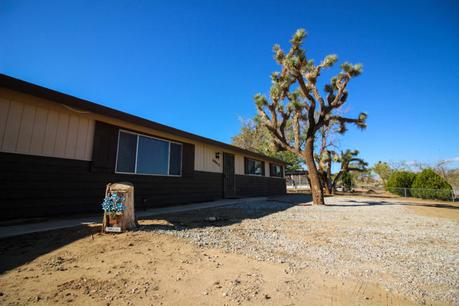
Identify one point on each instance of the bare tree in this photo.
(295, 98)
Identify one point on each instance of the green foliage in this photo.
(399, 180)
(255, 137)
(346, 180)
(430, 185)
(293, 161)
(383, 170)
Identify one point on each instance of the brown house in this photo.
(57, 153)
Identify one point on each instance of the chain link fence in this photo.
(299, 182)
(422, 193)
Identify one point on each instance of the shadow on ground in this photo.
(19, 250)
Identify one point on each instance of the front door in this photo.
(229, 187)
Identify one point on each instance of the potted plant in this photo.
(113, 205)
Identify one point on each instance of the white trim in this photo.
(137, 152)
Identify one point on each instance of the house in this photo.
(58, 152)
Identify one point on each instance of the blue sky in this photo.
(196, 65)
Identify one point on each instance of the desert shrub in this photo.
(399, 180)
(430, 185)
(346, 179)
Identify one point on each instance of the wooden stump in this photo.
(127, 220)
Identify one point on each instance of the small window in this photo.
(140, 154)
(276, 170)
(254, 167)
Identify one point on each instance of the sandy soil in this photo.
(145, 268)
(84, 267)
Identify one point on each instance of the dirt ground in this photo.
(146, 267)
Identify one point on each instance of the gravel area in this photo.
(408, 254)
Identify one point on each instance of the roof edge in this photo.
(72, 101)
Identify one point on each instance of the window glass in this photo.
(276, 170)
(126, 152)
(254, 167)
(152, 156)
(175, 162)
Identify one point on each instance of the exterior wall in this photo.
(205, 158)
(239, 164)
(47, 166)
(251, 185)
(45, 186)
(41, 129)
(37, 126)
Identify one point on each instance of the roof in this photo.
(49, 94)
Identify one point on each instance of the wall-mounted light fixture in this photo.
(217, 155)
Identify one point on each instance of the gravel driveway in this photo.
(365, 239)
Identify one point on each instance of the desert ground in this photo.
(280, 251)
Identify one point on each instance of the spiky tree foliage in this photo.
(349, 163)
(295, 103)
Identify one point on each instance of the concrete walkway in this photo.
(54, 224)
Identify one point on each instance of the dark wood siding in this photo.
(33, 186)
(251, 185)
(104, 147)
(188, 160)
(229, 183)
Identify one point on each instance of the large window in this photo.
(276, 170)
(142, 154)
(254, 167)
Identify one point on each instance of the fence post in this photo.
(405, 191)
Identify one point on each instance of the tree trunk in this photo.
(316, 186)
(335, 181)
(328, 188)
(326, 184)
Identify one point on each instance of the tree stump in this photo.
(125, 221)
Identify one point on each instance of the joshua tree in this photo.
(349, 162)
(296, 103)
(326, 157)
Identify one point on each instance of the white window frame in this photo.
(137, 151)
